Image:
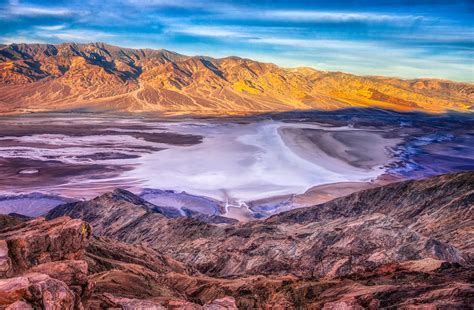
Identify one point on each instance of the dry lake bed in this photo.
(240, 167)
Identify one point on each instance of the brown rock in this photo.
(74, 273)
(343, 305)
(226, 303)
(71, 272)
(409, 220)
(40, 241)
(5, 262)
(7, 221)
(351, 253)
(37, 289)
(130, 304)
(19, 305)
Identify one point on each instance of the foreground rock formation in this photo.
(43, 263)
(41, 77)
(407, 244)
(403, 221)
(57, 264)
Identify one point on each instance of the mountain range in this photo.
(403, 245)
(102, 77)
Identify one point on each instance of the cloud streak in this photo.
(51, 28)
(209, 31)
(32, 11)
(382, 37)
(44, 34)
(336, 16)
(313, 43)
(76, 35)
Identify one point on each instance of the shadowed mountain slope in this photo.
(42, 77)
(403, 245)
(58, 264)
(122, 209)
(441, 207)
(410, 220)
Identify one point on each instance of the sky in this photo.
(408, 39)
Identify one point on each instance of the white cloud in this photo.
(312, 43)
(51, 28)
(170, 3)
(76, 35)
(209, 31)
(243, 33)
(20, 10)
(329, 16)
(38, 35)
(20, 39)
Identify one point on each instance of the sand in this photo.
(243, 162)
(341, 150)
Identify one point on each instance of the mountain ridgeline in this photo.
(404, 245)
(98, 76)
(409, 220)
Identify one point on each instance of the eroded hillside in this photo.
(40, 77)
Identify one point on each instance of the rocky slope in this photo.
(409, 220)
(41, 264)
(41, 77)
(96, 273)
(58, 265)
(441, 207)
(404, 245)
(122, 208)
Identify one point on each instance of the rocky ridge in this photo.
(57, 264)
(392, 246)
(98, 76)
(403, 221)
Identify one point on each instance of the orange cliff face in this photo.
(41, 77)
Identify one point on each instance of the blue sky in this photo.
(397, 38)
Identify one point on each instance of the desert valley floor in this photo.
(243, 168)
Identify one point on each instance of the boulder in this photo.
(39, 241)
(36, 290)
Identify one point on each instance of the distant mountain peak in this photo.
(157, 80)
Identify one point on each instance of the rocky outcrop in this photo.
(57, 265)
(7, 221)
(98, 76)
(42, 266)
(124, 210)
(441, 207)
(119, 206)
(349, 235)
(371, 249)
(35, 291)
(127, 276)
(39, 241)
(226, 303)
(134, 276)
(74, 273)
